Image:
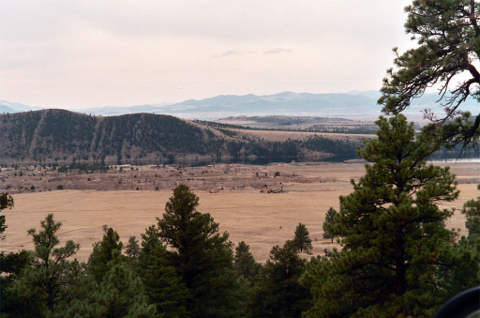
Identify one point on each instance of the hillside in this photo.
(64, 137)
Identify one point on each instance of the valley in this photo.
(231, 193)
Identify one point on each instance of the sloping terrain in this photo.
(64, 137)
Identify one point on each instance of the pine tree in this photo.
(132, 249)
(447, 34)
(6, 202)
(120, 294)
(329, 221)
(52, 275)
(392, 233)
(245, 264)
(103, 253)
(302, 239)
(471, 209)
(14, 304)
(164, 287)
(202, 257)
(278, 292)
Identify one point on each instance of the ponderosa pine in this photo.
(448, 36)
(329, 219)
(202, 257)
(392, 233)
(302, 238)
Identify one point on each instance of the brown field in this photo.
(278, 135)
(261, 220)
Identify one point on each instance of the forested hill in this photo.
(64, 137)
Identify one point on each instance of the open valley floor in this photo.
(230, 193)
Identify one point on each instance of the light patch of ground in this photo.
(261, 220)
(277, 135)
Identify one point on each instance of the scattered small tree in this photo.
(302, 239)
(328, 231)
(132, 249)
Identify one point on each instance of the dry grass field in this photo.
(278, 135)
(261, 220)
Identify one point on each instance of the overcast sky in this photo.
(77, 54)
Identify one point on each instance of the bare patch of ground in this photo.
(261, 220)
(296, 122)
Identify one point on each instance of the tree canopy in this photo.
(329, 219)
(202, 257)
(448, 37)
(302, 238)
(392, 233)
(6, 201)
(52, 275)
(471, 209)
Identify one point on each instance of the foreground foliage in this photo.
(185, 268)
(448, 35)
(393, 235)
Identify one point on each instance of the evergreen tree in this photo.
(120, 294)
(164, 287)
(245, 265)
(6, 202)
(132, 250)
(150, 240)
(464, 272)
(448, 34)
(202, 257)
(278, 292)
(52, 275)
(14, 304)
(302, 239)
(329, 219)
(471, 209)
(103, 253)
(392, 233)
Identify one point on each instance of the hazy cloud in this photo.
(73, 53)
(277, 50)
(229, 52)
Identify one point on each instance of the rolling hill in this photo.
(62, 137)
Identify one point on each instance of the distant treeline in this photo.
(360, 130)
(61, 137)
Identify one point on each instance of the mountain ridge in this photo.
(359, 105)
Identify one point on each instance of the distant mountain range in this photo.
(352, 105)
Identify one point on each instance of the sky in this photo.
(82, 53)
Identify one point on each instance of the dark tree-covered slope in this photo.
(59, 136)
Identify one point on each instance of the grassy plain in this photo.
(261, 220)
